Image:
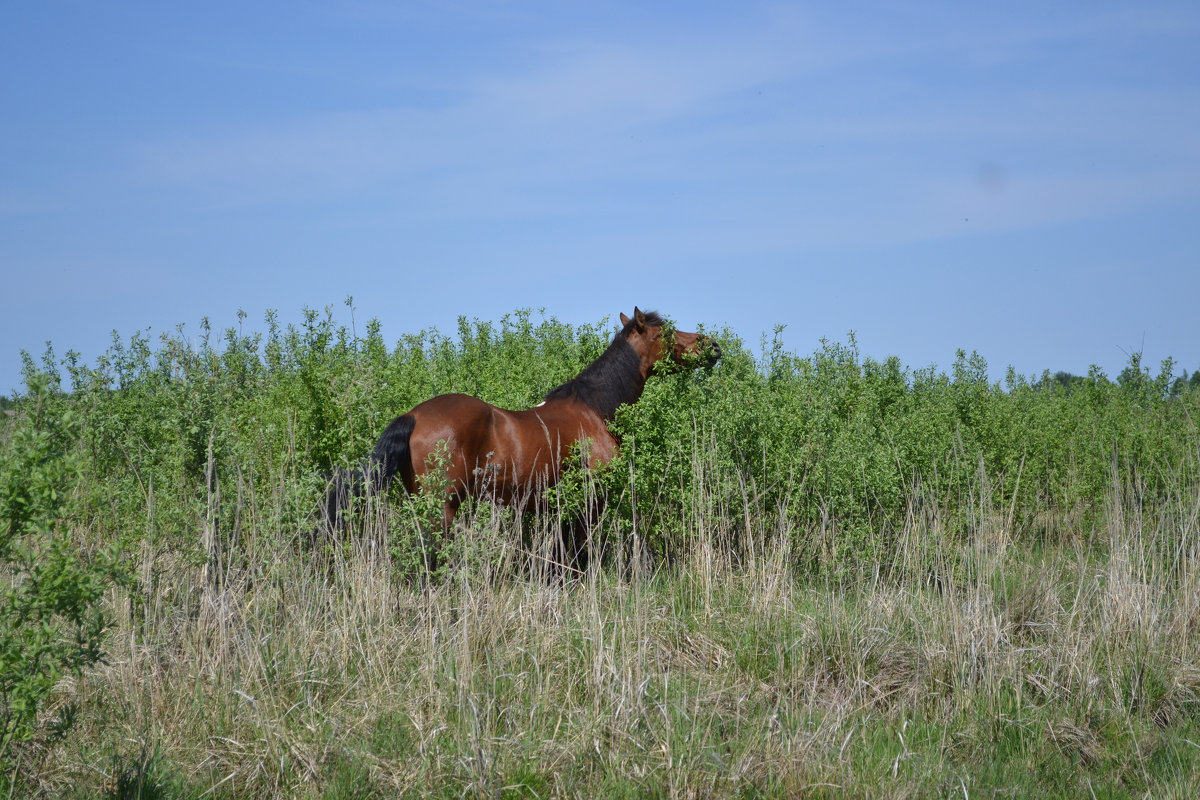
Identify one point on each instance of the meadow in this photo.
(818, 575)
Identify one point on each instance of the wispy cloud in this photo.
(682, 121)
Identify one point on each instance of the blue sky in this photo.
(1020, 179)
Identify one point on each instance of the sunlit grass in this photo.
(985, 669)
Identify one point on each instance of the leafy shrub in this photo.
(182, 445)
(51, 622)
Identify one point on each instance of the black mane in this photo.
(613, 379)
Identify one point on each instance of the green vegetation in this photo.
(823, 575)
(51, 624)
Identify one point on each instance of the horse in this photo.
(505, 456)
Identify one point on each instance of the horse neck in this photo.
(614, 379)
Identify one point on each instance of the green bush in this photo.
(51, 623)
(182, 445)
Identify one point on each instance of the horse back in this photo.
(507, 454)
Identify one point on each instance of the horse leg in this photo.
(575, 535)
(578, 542)
(431, 545)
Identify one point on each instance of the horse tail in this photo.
(391, 455)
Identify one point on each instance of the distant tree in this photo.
(1064, 380)
(1133, 378)
(1179, 385)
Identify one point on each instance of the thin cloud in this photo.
(632, 124)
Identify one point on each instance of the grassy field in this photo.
(981, 669)
(1001, 600)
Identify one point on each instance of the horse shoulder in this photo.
(604, 445)
(574, 422)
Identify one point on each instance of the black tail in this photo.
(391, 453)
(390, 456)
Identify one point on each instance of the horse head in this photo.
(656, 341)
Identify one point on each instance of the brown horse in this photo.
(510, 456)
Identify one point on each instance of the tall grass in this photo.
(968, 668)
(822, 576)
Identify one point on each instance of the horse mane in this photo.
(612, 380)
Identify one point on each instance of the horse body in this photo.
(495, 453)
(476, 449)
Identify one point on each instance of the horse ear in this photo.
(639, 316)
(624, 319)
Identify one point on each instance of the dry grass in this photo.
(969, 668)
